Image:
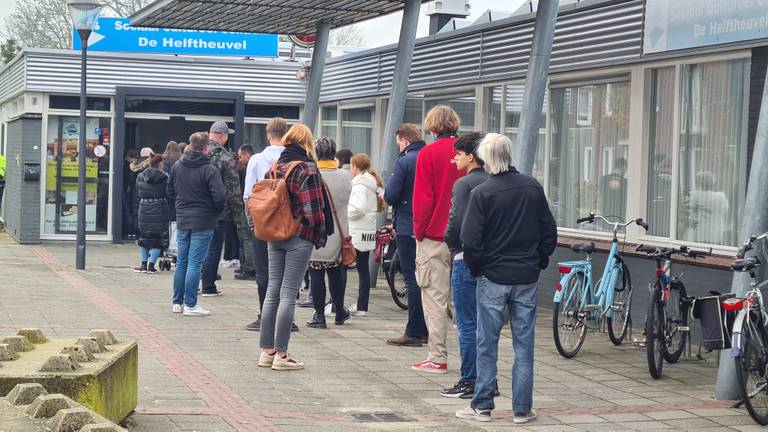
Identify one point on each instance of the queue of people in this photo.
(472, 234)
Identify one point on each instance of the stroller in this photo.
(169, 255)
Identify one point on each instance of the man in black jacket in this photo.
(463, 284)
(198, 191)
(508, 235)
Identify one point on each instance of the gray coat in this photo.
(461, 190)
(339, 184)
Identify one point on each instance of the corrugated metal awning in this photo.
(294, 17)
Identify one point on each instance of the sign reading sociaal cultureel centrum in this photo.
(117, 35)
(680, 24)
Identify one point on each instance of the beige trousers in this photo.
(433, 274)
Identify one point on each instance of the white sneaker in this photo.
(286, 364)
(177, 308)
(470, 413)
(329, 309)
(520, 418)
(266, 360)
(354, 312)
(195, 311)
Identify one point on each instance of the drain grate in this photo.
(384, 417)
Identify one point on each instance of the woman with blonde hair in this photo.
(288, 259)
(364, 203)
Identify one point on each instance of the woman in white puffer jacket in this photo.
(364, 204)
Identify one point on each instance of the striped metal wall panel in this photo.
(12, 80)
(588, 34)
(261, 81)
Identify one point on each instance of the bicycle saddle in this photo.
(586, 248)
(744, 264)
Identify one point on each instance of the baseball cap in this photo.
(146, 152)
(221, 127)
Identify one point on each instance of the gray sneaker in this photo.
(521, 417)
(470, 413)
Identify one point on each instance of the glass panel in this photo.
(180, 107)
(590, 146)
(662, 132)
(464, 105)
(73, 103)
(413, 110)
(357, 130)
(512, 111)
(494, 110)
(713, 145)
(328, 126)
(62, 175)
(256, 136)
(269, 111)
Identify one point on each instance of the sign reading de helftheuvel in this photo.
(117, 35)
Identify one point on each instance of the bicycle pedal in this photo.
(639, 342)
(683, 328)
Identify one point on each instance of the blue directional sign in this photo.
(117, 35)
(679, 24)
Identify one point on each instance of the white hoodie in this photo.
(362, 212)
(258, 166)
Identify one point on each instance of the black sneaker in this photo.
(344, 318)
(317, 321)
(462, 389)
(151, 268)
(254, 326)
(305, 304)
(294, 327)
(243, 276)
(216, 293)
(142, 268)
(218, 276)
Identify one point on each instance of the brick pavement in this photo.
(200, 373)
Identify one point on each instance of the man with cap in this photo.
(234, 210)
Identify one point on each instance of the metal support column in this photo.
(397, 95)
(536, 85)
(755, 221)
(312, 104)
(82, 154)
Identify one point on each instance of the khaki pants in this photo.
(433, 274)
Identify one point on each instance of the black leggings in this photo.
(364, 274)
(336, 284)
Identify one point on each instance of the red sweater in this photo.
(435, 176)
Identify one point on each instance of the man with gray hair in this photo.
(508, 234)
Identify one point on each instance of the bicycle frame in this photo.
(753, 300)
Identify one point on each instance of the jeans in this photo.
(364, 274)
(464, 287)
(336, 284)
(406, 249)
(261, 267)
(287, 264)
(193, 247)
(129, 223)
(211, 267)
(149, 255)
(492, 301)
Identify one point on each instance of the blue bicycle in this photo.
(578, 306)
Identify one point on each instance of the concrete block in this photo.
(71, 420)
(47, 406)
(7, 353)
(34, 335)
(93, 344)
(19, 343)
(79, 352)
(60, 363)
(25, 394)
(102, 427)
(105, 337)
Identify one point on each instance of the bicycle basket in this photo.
(384, 236)
(716, 323)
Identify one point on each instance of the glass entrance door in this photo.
(61, 175)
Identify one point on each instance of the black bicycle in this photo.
(666, 324)
(390, 264)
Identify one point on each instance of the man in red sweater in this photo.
(435, 176)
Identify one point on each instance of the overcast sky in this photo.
(379, 31)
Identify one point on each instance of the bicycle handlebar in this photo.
(747, 246)
(668, 252)
(591, 219)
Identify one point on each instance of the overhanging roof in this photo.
(261, 16)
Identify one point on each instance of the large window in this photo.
(62, 174)
(710, 146)
(357, 129)
(590, 146)
(513, 108)
(329, 121)
(463, 104)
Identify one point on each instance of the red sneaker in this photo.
(431, 367)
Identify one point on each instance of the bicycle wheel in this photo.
(750, 370)
(654, 332)
(676, 314)
(568, 328)
(618, 324)
(396, 283)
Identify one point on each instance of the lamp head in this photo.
(84, 13)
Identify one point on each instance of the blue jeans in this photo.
(211, 266)
(520, 301)
(406, 249)
(149, 255)
(464, 288)
(193, 247)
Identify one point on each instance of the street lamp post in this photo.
(83, 14)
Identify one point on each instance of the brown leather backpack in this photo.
(269, 206)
